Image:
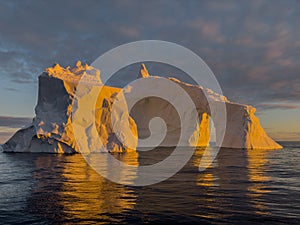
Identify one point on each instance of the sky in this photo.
(253, 48)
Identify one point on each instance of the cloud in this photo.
(11, 89)
(285, 136)
(14, 122)
(16, 68)
(9, 125)
(207, 29)
(4, 136)
(251, 46)
(283, 106)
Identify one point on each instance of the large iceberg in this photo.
(51, 129)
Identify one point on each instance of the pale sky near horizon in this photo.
(253, 48)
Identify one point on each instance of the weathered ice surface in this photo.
(52, 131)
(243, 129)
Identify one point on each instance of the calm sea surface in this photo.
(240, 187)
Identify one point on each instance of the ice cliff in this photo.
(51, 129)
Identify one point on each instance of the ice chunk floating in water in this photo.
(52, 130)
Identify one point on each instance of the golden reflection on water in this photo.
(92, 194)
(208, 182)
(231, 172)
(235, 178)
(204, 156)
(257, 163)
(119, 167)
(69, 189)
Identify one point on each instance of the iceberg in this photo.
(51, 130)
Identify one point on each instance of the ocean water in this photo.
(240, 187)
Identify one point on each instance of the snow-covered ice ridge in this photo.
(51, 129)
(74, 74)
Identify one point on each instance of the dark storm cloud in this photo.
(253, 47)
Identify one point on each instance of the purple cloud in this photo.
(251, 46)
